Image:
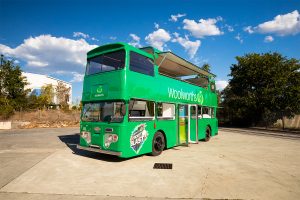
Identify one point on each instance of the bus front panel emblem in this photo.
(138, 137)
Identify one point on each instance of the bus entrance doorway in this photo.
(187, 124)
(193, 124)
(183, 122)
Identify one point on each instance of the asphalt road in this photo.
(236, 164)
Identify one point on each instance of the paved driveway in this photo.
(44, 164)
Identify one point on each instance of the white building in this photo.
(37, 81)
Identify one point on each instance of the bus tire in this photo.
(207, 134)
(158, 144)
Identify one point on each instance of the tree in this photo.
(63, 94)
(33, 102)
(206, 67)
(12, 91)
(263, 88)
(46, 96)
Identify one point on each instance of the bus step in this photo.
(163, 166)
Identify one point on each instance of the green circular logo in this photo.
(200, 97)
(100, 89)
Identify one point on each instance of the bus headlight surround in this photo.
(110, 138)
(86, 136)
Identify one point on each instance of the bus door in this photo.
(183, 122)
(193, 124)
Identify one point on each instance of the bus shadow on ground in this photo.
(72, 140)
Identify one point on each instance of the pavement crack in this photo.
(204, 185)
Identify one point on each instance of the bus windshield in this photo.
(106, 62)
(104, 112)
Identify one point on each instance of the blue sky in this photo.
(52, 37)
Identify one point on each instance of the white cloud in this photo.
(221, 84)
(174, 18)
(205, 27)
(190, 47)
(135, 37)
(229, 28)
(268, 39)
(94, 39)
(282, 25)
(199, 60)
(288, 24)
(158, 38)
(37, 64)
(156, 25)
(135, 40)
(239, 38)
(112, 37)
(77, 77)
(248, 29)
(48, 54)
(80, 34)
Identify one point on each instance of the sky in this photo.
(52, 37)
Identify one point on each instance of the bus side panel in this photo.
(193, 128)
(202, 123)
(214, 126)
(137, 139)
(169, 127)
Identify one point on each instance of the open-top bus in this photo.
(142, 100)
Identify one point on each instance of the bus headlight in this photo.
(86, 136)
(110, 138)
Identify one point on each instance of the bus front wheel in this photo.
(158, 144)
(207, 134)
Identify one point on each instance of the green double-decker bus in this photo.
(141, 100)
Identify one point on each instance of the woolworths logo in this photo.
(188, 96)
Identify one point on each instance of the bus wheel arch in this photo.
(158, 143)
(207, 133)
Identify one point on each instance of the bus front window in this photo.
(106, 62)
(103, 112)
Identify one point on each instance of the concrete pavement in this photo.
(230, 166)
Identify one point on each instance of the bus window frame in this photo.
(212, 113)
(105, 52)
(113, 101)
(139, 118)
(200, 109)
(165, 118)
(209, 112)
(129, 65)
(194, 116)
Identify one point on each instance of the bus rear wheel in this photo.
(158, 144)
(207, 134)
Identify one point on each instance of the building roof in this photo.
(44, 76)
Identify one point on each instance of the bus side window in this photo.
(212, 112)
(141, 110)
(141, 64)
(193, 112)
(165, 111)
(199, 112)
(206, 112)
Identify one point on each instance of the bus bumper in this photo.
(99, 150)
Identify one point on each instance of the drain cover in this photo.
(163, 166)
